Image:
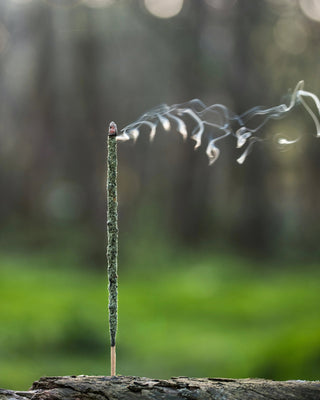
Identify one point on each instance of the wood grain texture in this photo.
(132, 388)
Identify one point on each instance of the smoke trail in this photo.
(216, 122)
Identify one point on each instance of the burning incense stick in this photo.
(112, 231)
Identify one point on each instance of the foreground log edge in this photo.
(84, 387)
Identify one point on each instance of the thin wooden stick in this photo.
(112, 232)
(113, 359)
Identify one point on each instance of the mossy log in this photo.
(128, 388)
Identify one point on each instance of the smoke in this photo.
(214, 123)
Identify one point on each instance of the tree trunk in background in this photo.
(255, 228)
(126, 388)
(189, 202)
(186, 184)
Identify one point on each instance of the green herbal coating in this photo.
(112, 233)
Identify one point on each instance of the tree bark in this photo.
(128, 388)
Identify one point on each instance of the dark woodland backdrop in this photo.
(68, 67)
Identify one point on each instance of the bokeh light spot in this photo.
(290, 37)
(64, 201)
(311, 8)
(164, 8)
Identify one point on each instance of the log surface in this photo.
(84, 387)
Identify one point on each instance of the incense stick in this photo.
(112, 233)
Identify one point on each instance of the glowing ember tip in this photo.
(113, 130)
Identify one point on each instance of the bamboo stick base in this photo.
(113, 360)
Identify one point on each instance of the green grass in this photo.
(194, 315)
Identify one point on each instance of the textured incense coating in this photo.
(112, 230)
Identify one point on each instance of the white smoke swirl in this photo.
(224, 121)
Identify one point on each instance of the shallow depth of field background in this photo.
(219, 266)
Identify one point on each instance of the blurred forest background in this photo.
(218, 265)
